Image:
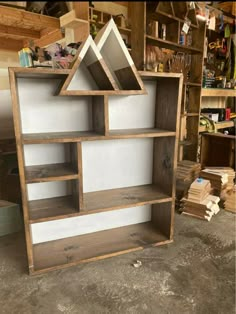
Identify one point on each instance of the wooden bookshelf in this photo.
(97, 171)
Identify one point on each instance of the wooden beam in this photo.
(10, 44)
(23, 18)
(19, 32)
(49, 38)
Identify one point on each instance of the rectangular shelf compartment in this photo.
(54, 172)
(52, 208)
(123, 197)
(103, 244)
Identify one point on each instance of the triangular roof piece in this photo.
(91, 69)
(180, 9)
(117, 57)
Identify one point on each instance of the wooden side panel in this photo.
(138, 41)
(172, 32)
(192, 136)
(163, 218)
(21, 163)
(194, 99)
(81, 10)
(164, 164)
(168, 104)
(180, 9)
(128, 79)
(99, 114)
(101, 75)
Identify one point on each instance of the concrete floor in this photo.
(195, 274)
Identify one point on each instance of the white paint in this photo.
(112, 46)
(131, 112)
(37, 191)
(89, 52)
(117, 163)
(42, 154)
(43, 112)
(64, 228)
(82, 79)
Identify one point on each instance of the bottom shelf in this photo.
(94, 246)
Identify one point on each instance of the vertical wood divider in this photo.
(80, 169)
(21, 163)
(106, 114)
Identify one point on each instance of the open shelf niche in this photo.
(97, 171)
(117, 57)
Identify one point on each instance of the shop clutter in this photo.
(54, 56)
(201, 193)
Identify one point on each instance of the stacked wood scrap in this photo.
(221, 178)
(187, 170)
(203, 210)
(199, 202)
(230, 200)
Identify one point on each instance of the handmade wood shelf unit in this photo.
(97, 171)
(172, 15)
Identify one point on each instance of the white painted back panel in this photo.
(42, 154)
(64, 228)
(117, 163)
(82, 80)
(43, 112)
(43, 190)
(130, 112)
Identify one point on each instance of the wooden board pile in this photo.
(221, 178)
(187, 171)
(199, 202)
(230, 200)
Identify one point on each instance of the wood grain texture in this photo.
(99, 114)
(218, 92)
(80, 169)
(144, 132)
(102, 76)
(52, 208)
(71, 251)
(163, 218)
(54, 172)
(21, 163)
(138, 41)
(124, 198)
(129, 78)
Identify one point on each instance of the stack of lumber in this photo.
(221, 178)
(187, 170)
(199, 190)
(200, 203)
(230, 201)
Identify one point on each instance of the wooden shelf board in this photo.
(193, 84)
(219, 125)
(53, 172)
(148, 132)
(43, 72)
(171, 45)
(99, 245)
(123, 30)
(166, 18)
(218, 92)
(61, 137)
(51, 208)
(123, 198)
(190, 114)
(64, 137)
(95, 202)
(101, 92)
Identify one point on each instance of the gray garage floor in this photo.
(195, 274)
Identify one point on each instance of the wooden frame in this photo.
(173, 14)
(75, 211)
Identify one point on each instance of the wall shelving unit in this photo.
(97, 171)
(172, 14)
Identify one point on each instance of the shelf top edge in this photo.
(146, 74)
